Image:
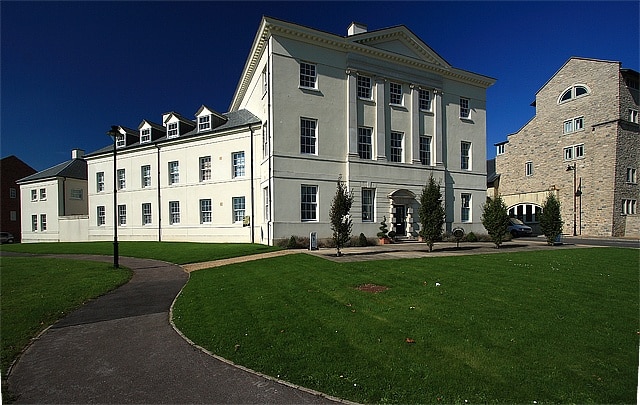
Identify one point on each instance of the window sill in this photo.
(399, 107)
(310, 90)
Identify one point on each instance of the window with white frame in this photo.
(172, 130)
(395, 93)
(174, 212)
(238, 209)
(628, 207)
(76, 194)
(205, 211)
(205, 168)
(13, 193)
(425, 150)
(364, 87)
(308, 75)
(573, 152)
(43, 222)
(174, 172)
(100, 181)
(364, 143)
(424, 99)
(43, 194)
(573, 125)
(465, 155)
(101, 215)
(238, 164)
(368, 204)
(34, 195)
(528, 169)
(146, 214)
(145, 173)
(34, 223)
(265, 140)
(204, 123)
(145, 135)
(465, 112)
(633, 116)
(308, 136)
(122, 215)
(568, 153)
(500, 149)
(308, 203)
(578, 151)
(396, 146)
(465, 213)
(572, 93)
(631, 175)
(120, 140)
(266, 199)
(265, 81)
(122, 179)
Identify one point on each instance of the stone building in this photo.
(12, 169)
(582, 144)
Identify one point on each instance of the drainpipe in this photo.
(159, 200)
(251, 222)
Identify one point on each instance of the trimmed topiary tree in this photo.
(495, 219)
(431, 213)
(341, 222)
(551, 218)
(383, 228)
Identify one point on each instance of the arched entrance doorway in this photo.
(402, 205)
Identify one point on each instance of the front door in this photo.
(399, 219)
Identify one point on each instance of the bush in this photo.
(470, 237)
(551, 219)
(495, 219)
(362, 240)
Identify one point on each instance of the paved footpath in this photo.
(121, 348)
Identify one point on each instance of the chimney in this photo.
(356, 28)
(77, 153)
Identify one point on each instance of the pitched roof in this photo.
(74, 169)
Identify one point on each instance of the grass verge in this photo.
(173, 252)
(545, 326)
(35, 292)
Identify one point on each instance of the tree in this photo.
(495, 219)
(551, 219)
(341, 223)
(431, 213)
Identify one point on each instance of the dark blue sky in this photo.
(70, 70)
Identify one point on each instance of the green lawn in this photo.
(545, 326)
(35, 292)
(173, 252)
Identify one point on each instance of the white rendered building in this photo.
(379, 109)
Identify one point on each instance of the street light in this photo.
(113, 133)
(576, 193)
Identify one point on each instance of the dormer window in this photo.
(204, 123)
(572, 93)
(172, 130)
(145, 135)
(120, 140)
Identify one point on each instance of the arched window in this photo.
(573, 92)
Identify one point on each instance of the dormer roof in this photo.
(153, 125)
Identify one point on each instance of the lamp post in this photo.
(575, 194)
(113, 133)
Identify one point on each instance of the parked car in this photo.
(518, 228)
(6, 237)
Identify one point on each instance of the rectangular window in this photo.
(628, 207)
(573, 125)
(265, 140)
(146, 213)
(500, 149)
(364, 143)
(43, 194)
(425, 150)
(465, 213)
(573, 152)
(307, 75)
(265, 81)
(238, 209)
(174, 212)
(424, 99)
(101, 215)
(528, 169)
(631, 175)
(172, 130)
(34, 223)
(267, 208)
(100, 181)
(465, 112)
(238, 164)
(34, 195)
(395, 93)
(396, 146)
(578, 123)
(633, 116)
(579, 151)
(145, 135)
(13, 193)
(368, 199)
(364, 87)
(309, 203)
(122, 215)
(120, 140)
(465, 155)
(145, 173)
(76, 194)
(204, 123)
(205, 211)
(568, 126)
(43, 222)
(174, 172)
(122, 180)
(13, 215)
(568, 153)
(205, 168)
(308, 136)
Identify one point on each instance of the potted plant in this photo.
(382, 235)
